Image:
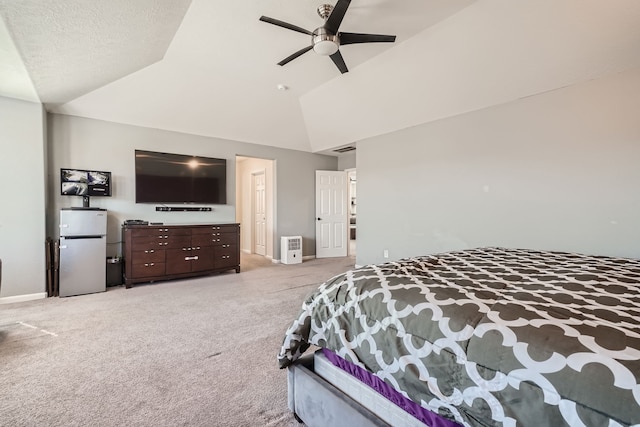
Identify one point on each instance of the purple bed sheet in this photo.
(429, 418)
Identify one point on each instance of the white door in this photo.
(331, 214)
(259, 213)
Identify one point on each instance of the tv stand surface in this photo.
(164, 252)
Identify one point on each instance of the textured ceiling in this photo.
(72, 47)
(209, 68)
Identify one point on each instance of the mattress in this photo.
(489, 336)
(363, 394)
(363, 387)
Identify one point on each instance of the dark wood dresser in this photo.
(162, 252)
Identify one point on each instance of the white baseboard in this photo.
(246, 251)
(22, 298)
(304, 258)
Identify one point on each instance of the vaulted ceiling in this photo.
(210, 67)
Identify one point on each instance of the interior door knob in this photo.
(319, 219)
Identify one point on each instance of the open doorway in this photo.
(351, 182)
(255, 205)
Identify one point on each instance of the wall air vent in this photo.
(344, 149)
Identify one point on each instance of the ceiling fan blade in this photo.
(339, 61)
(295, 55)
(335, 19)
(351, 38)
(284, 25)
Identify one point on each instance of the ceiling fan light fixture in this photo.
(325, 47)
(325, 43)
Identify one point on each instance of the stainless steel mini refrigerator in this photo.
(83, 251)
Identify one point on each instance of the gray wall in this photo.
(558, 171)
(347, 161)
(92, 144)
(22, 191)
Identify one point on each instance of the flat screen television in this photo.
(178, 178)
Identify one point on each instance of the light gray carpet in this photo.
(197, 352)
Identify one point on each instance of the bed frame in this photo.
(317, 403)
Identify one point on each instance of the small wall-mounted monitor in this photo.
(85, 183)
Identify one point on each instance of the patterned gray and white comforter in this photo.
(491, 336)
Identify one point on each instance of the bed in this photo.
(479, 337)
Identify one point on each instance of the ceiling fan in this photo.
(326, 40)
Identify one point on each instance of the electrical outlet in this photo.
(386, 253)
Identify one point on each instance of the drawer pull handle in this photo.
(190, 258)
(149, 251)
(149, 265)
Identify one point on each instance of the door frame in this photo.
(349, 201)
(243, 207)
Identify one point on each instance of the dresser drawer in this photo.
(148, 242)
(208, 229)
(229, 229)
(147, 256)
(178, 231)
(225, 239)
(148, 232)
(224, 228)
(204, 260)
(202, 240)
(178, 241)
(226, 256)
(148, 269)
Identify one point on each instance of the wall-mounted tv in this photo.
(178, 178)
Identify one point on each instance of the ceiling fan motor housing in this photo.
(324, 10)
(324, 43)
